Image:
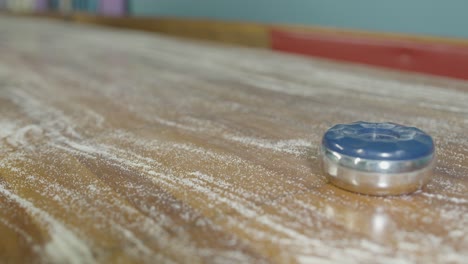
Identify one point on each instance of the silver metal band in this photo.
(391, 178)
(380, 166)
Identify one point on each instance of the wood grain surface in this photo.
(126, 147)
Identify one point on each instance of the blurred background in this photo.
(425, 36)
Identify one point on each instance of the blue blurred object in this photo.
(54, 4)
(85, 5)
(79, 5)
(92, 6)
(378, 141)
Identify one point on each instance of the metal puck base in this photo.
(377, 183)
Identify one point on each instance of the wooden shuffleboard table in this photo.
(127, 147)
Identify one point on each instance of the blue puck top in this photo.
(378, 141)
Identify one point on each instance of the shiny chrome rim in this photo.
(376, 166)
(387, 181)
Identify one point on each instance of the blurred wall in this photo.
(20, 5)
(428, 17)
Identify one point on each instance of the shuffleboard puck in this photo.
(377, 158)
